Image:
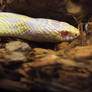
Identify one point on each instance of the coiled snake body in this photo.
(36, 29)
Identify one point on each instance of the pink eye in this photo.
(64, 33)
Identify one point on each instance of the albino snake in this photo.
(36, 29)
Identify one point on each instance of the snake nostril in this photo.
(76, 35)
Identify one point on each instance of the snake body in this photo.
(35, 29)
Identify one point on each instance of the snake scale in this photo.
(35, 29)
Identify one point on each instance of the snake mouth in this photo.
(66, 35)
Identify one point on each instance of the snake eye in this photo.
(64, 33)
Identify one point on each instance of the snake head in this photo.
(68, 31)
